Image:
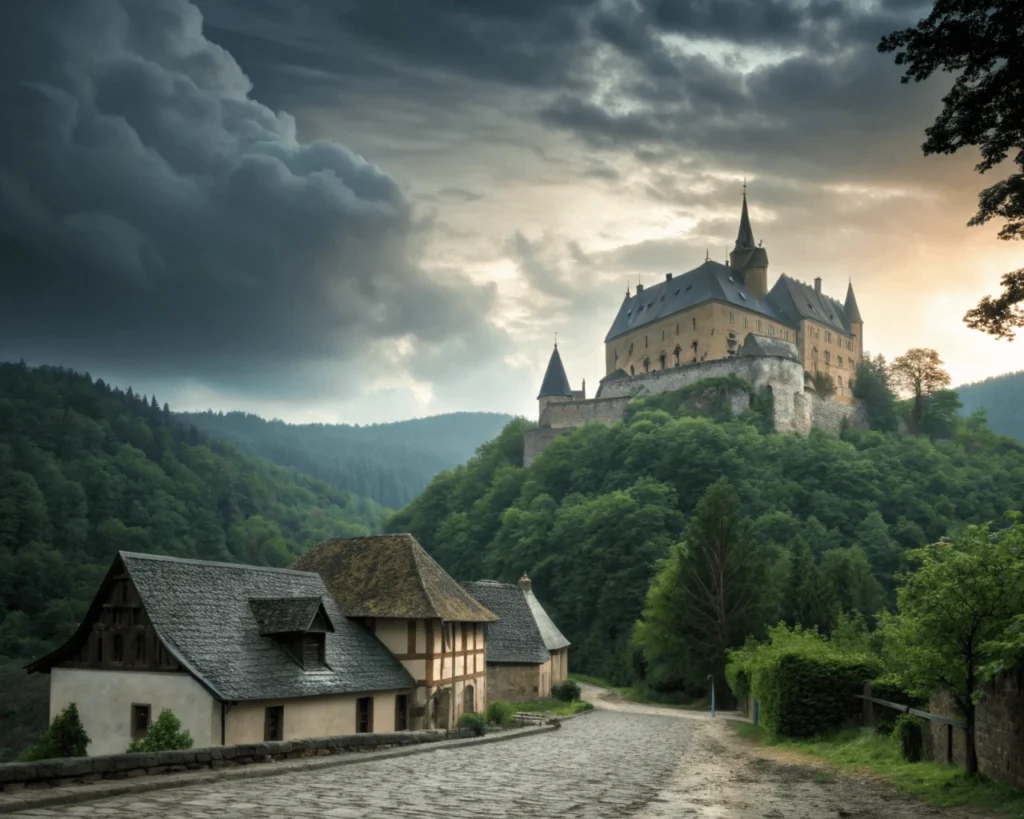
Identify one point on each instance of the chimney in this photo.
(639, 289)
(524, 583)
(668, 277)
(817, 285)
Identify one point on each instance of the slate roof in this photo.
(556, 382)
(201, 612)
(767, 345)
(711, 281)
(390, 576)
(524, 632)
(850, 307)
(796, 300)
(284, 615)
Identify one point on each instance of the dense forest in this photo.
(818, 525)
(390, 463)
(86, 470)
(1002, 398)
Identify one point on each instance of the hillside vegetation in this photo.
(390, 463)
(819, 523)
(1002, 399)
(86, 470)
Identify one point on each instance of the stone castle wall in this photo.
(794, 410)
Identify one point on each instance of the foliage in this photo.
(474, 722)
(65, 737)
(872, 387)
(890, 687)
(24, 708)
(980, 44)
(908, 732)
(918, 373)
(391, 463)
(558, 708)
(567, 691)
(594, 516)
(824, 384)
(957, 609)
(999, 399)
(164, 734)
(500, 712)
(805, 684)
(707, 596)
(862, 751)
(707, 398)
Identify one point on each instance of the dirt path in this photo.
(725, 777)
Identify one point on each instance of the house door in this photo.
(468, 700)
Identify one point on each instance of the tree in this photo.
(941, 414)
(919, 373)
(956, 612)
(804, 603)
(65, 737)
(872, 387)
(980, 41)
(163, 735)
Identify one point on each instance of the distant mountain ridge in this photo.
(390, 463)
(1002, 398)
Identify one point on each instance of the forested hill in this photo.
(390, 463)
(86, 470)
(1002, 398)
(591, 518)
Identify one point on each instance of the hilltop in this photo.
(390, 463)
(1002, 398)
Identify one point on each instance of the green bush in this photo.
(908, 731)
(567, 691)
(887, 687)
(163, 735)
(475, 722)
(64, 737)
(500, 713)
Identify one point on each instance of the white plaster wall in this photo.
(309, 717)
(105, 699)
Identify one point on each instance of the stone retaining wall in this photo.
(47, 772)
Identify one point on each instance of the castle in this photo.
(718, 320)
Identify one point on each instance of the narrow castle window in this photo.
(759, 325)
(662, 335)
(676, 353)
(732, 317)
(645, 341)
(771, 330)
(745, 322)
(662, 358)
(632, 370)
(694, 322)
(828, 337)
(677, 328)
(839, 361)
(814, 353)
(828, 356)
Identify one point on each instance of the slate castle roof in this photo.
(711, 281)
(556, 382)
(214, 619)
(390, 576)
(524, 633)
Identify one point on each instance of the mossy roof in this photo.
(390, 576)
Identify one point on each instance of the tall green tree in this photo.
(871, 386)
(920, 374)
(980, 42)
(956, 610)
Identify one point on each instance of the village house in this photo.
(240, 654)
(429, 623)
(526, 653)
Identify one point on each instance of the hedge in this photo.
(887, 687)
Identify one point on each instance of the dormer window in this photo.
(298, 626)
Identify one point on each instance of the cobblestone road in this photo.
(600, 765)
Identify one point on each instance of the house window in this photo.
(732, 317)
(118, 648)
(469, 700)
(402, 712)
(140, 720)
(140, 648)
(313, 651)
(364, 715)
(273, 723)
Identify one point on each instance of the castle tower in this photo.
(555, 387)
(853, 316)
(750, 259)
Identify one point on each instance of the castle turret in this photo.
(555, 387)
(750, 259)
(852, 312)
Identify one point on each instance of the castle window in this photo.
(839, 361)
(647, 365)
(645, 341)
(771, 330)
(828, 337)
(732, 317)
(839, 380)
(759, 325)
(662, 335)
(746, 323)
(662, 358)
(814, 353)
(631, 348)
(695, 323)
(828, 357)
(676, 354)
(632, 370)
(677, 328)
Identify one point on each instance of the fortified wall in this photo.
(766, 364)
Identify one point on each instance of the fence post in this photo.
(869, 707)
(949, 744)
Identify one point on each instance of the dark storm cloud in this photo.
(153, 215)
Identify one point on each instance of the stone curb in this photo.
(72, 794)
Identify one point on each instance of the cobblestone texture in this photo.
(601, 765)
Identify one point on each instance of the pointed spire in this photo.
(850, 308)
(555, 383)
(745, 237)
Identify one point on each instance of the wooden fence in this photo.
(869, 716)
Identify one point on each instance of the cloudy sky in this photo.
(367, 210)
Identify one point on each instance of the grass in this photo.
(557, 707)
(868, 751)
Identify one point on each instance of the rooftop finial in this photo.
(707, 254)
(556, 339)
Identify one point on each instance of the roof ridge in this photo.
(217, 563)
